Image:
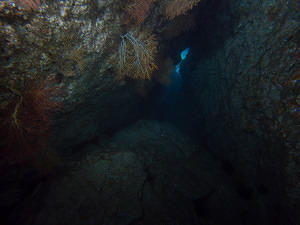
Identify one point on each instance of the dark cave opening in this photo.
(179, 105)
(176, 102)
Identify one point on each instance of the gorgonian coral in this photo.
(26, 121)
(137, 54)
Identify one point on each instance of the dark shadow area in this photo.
(176, 102)
(214, 24)
(179, 105)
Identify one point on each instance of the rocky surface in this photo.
(71, 46)
(244, 93)
(150, 173)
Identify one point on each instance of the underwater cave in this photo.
(150, 112)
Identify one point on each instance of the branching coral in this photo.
(26, 92)
(137, 53)
(26, 122)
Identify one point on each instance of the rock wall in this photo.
(247, 97)
(66, 52)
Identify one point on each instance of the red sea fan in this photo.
(29, 4)
(137, 11)
(26, 126)
(178, 7)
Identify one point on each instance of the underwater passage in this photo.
(149, 112)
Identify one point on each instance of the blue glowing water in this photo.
(183, 55)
